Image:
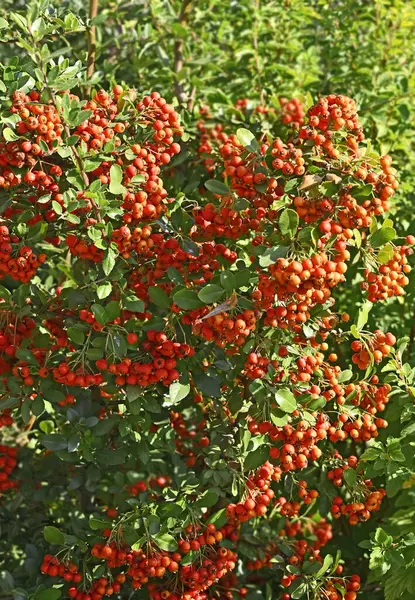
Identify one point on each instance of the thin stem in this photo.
(178, 54)
(256, 51)
(92, 41)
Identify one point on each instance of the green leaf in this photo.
(47, 594)
(345, 376)
(228, 281)
(76, 335)
(109, 260)
(299, 591)
(382, 236)
(54, 441)
(385, 254)
(219, 519)
(159, 297)
(133, 392)
(363, 315)
(187, 300)
(115, 186)
(99, 523)
(208, 499)
(350, 477)
(408, 430)
(362, 192)
(9, 134)
(247, 139)
(256, 458)
(208, 383)
(286, 400)
(104, 290)
(396, 584)
(175, 276)
(165, 541)
(134, 304)
(216, 187)
(371, 453)
(382, 538)
(53, 536)
(327, 562)
(288, 222)
(178, 391)
(210, 293)
(99, 313)
(57, 207)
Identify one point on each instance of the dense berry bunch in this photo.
(187, 344)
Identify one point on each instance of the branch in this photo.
(92, 46)
(178, 52)
(256, 52)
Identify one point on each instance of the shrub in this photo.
(180, 416)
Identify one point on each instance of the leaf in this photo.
(208, 383)
(210, 293)
(159, 297)
(178, 391)
(47, 594)
(54, 441)
(76, 335)
(165, 541)
(350, 477)
(345, 376)
(382, 236)
(286, 400)
(115, 186)
(208, 499)
(270, 255)
(228, 281)
(247, 139)
(256, 458)
(187, 300)
(385, 254)
(134, 304)
(317, 403)
(109, 260)
(104, 290)
(299, 592)
(100, 523)
(371, 453)
(396, 584)
(327, 562)
(216, 187)
(288, 222)
(53, 536)
(112, 457)
(99, 313)
(219, 519)
(408, 430)
(175, 276)
(363, 315)
(309, 181)
(382, 538)
(362, 192)
(133, 392)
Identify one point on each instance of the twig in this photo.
(256, 52)
(92, 41)
(178, 53)
(30, 423)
